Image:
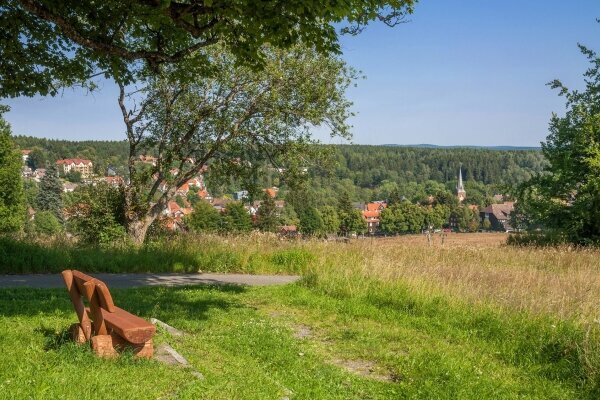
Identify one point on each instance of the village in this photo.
(74, 172)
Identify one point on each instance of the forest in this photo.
(364, 172)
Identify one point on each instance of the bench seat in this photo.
(130, 327)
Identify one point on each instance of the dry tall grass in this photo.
(563, 282)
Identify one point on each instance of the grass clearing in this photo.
(390, 318)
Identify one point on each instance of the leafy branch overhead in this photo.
(63, 42)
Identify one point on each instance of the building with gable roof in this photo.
(498, 215)
(84, 167)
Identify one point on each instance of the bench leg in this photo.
(77, 334)
(145, 350)
(102, 345)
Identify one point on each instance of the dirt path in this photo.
(137, 280)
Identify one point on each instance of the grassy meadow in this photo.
(371, 319)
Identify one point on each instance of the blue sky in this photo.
(470, 72)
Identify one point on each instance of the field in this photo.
(373, 318)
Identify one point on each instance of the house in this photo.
(114, 181)
(25, 155)
(84, 167)
(204, 195)
(38, 174)
(220, 203)
(498, 215)
(372, 213)
(148, 159)
(69, 187)
(195, 182)
(183, 190)
(174, 210)
(240, 195)
(272, 192)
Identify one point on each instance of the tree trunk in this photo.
(138, 218)
(137, 230)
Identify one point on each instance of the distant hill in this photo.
(435, 146)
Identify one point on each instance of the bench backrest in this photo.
(89, 286)
(80, 285)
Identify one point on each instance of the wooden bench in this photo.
(108, 327)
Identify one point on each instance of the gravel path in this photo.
(137, 280)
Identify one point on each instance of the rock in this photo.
(171, 330)
(168, 355)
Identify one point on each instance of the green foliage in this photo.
(311, 222)
(73, 176)
(357, 171)
(266, 120)
(344, 205)
(180, 201)
(31, 192)
(46, 223)
(459, 347)
(565, 200)
(96, 213)
(405, 217)
(205, 218)
(36, 158)
(467, 220)
(331, 222)
(66, 42)
(486, 224)
(267, 219)
(352, 223)
(236, 218)
(436, 216)
(351, 219)
(12, 196)
(50, 192)
(47, 151)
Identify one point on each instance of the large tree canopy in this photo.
(565, 201)
(46, 43)
(12, 200)
(235, 121)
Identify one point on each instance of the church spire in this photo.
(460, 189)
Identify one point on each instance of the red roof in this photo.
(25, 152)
(172, 206)
(271, 192)
(371, 214)
(75, 161)
(375, 206)
(203, 194)
(184, 188)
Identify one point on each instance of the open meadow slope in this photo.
(373, 318)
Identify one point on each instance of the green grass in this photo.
(257, 254)
(244, 342)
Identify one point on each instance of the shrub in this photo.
(46, 223)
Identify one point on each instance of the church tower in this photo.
(460, 189)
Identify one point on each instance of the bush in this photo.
(96, 213)
(46, 223)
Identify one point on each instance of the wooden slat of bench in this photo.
(130, 327)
